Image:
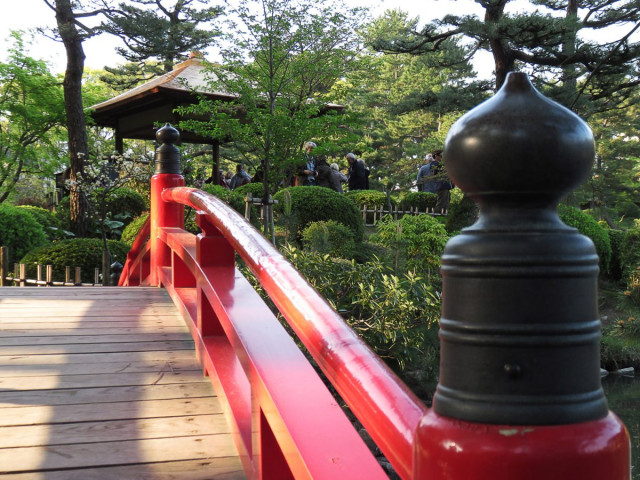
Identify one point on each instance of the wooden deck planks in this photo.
(102, 383)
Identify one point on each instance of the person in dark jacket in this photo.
(325, 176)
(357, 173)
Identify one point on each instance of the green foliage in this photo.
(50, 223)
(284, 57)
(313, 204)
(231, 197)
(167, 32)
(417, 240)
(630, 252)
(19, 231)
(628, 209)
(616, 238)
(125, 203)
(406, 104)
(31, 113)
(369, 198)
(396, 316)
(419, 200)
(329, 237)
(588, 226)
(85, 253)
(255, 188)
(62, 212)
(461, 214)
(619, 346)
(130, 232)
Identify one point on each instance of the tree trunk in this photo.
(569, 77)
(502, 57)
(76, 123)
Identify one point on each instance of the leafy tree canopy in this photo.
(284, 59)
(31, 114)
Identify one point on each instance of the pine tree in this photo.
(554, 43)
(162, 30)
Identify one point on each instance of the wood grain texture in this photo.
(102, 383)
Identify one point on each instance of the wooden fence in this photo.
(371, 215)
(44, 275)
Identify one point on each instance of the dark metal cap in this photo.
(167, 154)
(520, 329)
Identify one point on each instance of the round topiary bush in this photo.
(85, 253)
(369, 198)
(51, 224)
(329, 237)
(255, 188)
(419, 200)
(461, 214)
(122, 203)
(19, 231)
(589, 227)
(313, 204)
(130, 232)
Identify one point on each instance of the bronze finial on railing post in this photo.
(163, 214)
(519, 393)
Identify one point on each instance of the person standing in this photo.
(423, 174)
(441, 183)
(357, 173)
(240, 178)
(325, 176)
(306, 172)
(342, 178)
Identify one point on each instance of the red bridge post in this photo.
(164, 214)
(519, 396)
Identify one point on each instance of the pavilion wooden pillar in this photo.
(215, 166)
(119, 142)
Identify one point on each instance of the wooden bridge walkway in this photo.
(102, 383)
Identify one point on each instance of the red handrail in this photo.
(136, 248)
(386, 407)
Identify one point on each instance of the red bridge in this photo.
(283, 420)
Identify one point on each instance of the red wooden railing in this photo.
(285, 419)
(286, 422)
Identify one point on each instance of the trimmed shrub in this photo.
(123, 203)
(130, 232)
(255, 188)
(85, 253)
(329, 237)
(19, 231)
(313, 204)
(589, 227)
(419, 200)
(51, 224)
(369, 198)
(461, 214)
